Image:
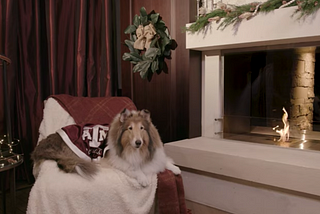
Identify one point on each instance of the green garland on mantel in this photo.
(150, 44)
(233, 14)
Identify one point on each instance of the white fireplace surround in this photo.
(285, 178)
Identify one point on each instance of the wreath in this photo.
(150, 44)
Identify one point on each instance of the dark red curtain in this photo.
(56, 47)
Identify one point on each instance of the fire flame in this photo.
(284, 133)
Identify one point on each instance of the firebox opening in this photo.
(258, 85)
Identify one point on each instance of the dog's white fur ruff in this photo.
(133, 164)
(143, 173)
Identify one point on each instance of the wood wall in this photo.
(174, 99)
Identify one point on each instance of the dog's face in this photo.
(134, 135)
(134, 132)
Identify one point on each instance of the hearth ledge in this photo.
(287, 168)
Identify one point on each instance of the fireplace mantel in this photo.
(275, 28)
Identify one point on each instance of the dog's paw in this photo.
(176, 170)
(143, 180)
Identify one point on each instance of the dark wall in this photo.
(174, 99)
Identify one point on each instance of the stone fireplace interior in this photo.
(259, 84)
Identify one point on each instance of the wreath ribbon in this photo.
(144, 36)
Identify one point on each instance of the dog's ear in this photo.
(145, 114)
(124, 115)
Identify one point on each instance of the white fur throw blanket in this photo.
(110, 191)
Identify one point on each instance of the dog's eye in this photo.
(130, 127)
(141, 127)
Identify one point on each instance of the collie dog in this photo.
(135, 146)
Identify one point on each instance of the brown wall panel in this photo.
(174, 103)
(188, 79)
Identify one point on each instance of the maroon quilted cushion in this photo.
(93, 110)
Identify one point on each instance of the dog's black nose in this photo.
(138, 143)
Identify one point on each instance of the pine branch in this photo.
(305, 8)
(308, 7)
(233, 17)
(203, 20)
(270, 5)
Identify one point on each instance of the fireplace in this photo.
(262, 86)
(249, 78)
(247, 175)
